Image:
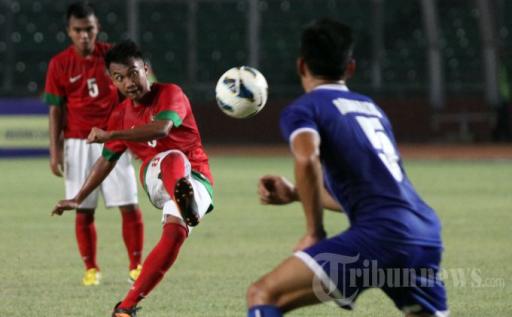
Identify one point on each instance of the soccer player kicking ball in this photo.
(346, 159)
(157, 125)
(81, 96)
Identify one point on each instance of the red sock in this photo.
(173, 168)
(157, 263)
(133, 235)
(86, 237)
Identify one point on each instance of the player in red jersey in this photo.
(81, 96)
(155, 123)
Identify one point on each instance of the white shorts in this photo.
(118, 189)
(161, 199)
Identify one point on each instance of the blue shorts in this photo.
(351, 262)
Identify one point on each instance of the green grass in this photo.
(40, 269)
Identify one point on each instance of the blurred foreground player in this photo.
(157, 125)
(346, 159)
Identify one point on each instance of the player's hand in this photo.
(98, 135)
(57, 163)
(63, 205)
(276, 190)
(308, 240)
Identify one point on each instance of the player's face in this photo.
(82, 33)
(131, 78)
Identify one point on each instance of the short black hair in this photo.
(326, 46)
(80, 10)
(122, 52)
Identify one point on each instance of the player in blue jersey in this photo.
(346, 159)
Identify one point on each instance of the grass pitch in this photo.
(40, 269)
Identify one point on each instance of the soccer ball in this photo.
(241, 92)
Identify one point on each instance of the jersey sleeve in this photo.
(299, 116)
(113, 149)
(173, 105)
(53, 91)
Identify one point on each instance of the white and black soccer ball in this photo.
(241, 92)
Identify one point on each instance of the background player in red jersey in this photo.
(81, 96)
(157, 124)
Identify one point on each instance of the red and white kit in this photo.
(165, 160)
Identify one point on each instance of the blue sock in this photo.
(264, 311)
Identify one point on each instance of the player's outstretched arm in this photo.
(308, 177)
(99, 172)
(56, 146)
(147, 132)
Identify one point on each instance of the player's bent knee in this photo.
(254, 293)
(174, 157)
(259, 294)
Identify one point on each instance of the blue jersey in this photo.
(362, 167)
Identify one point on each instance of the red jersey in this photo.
(167, 102)
(83, 87)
